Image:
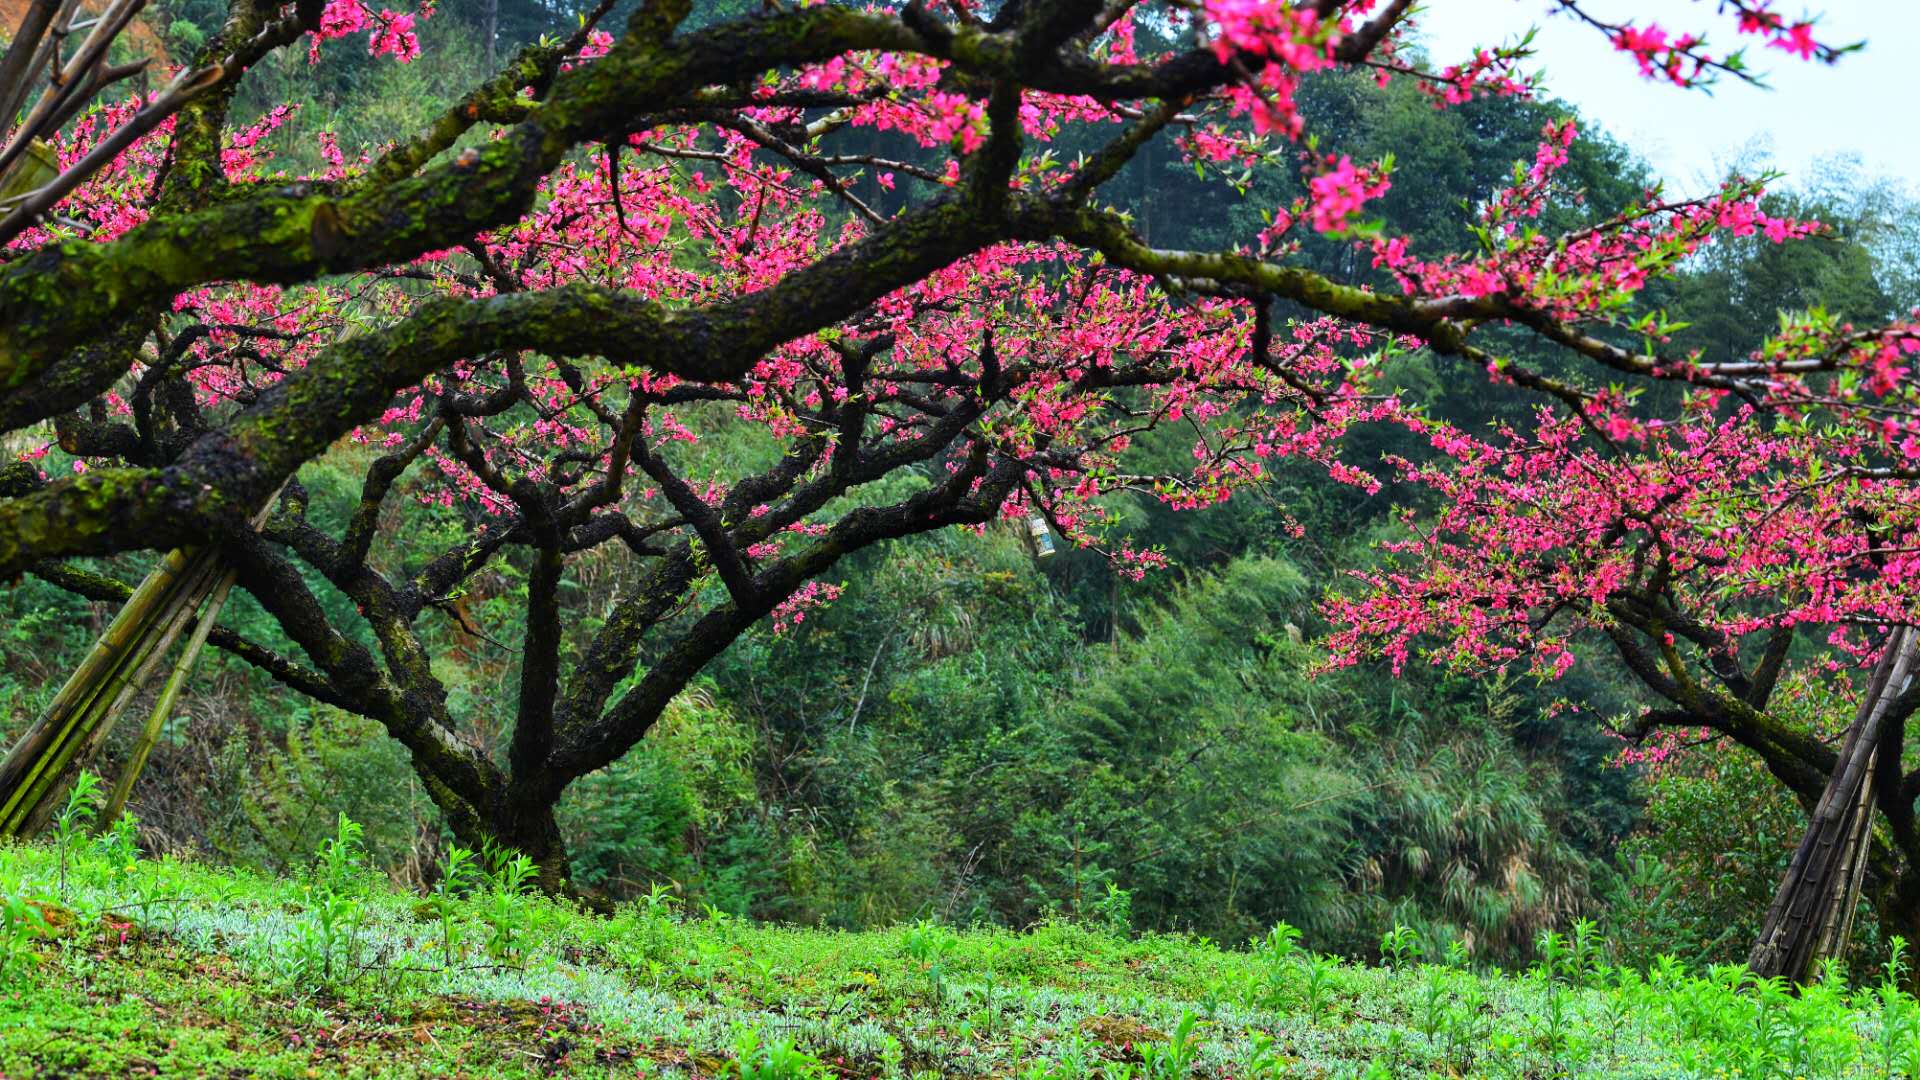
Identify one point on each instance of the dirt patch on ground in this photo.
(1120, 1031)
(553, 1033)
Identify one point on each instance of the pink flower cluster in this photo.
(792, 611)
(391, 33)
(1339, 192)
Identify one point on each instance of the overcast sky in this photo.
(1865, 105)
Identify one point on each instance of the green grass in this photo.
(120, 966)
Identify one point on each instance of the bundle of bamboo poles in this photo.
(189, 587)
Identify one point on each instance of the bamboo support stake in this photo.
(1822, 875)
(1850, 901)
(1838, 927)
(139, 652)
(163, 707)
(45, 760)
(84, 684)
(134, 677)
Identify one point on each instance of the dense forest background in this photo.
(977, 733)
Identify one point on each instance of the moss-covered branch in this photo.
(223, 475)
(60, 298)
(65, 295)
(1109, 234)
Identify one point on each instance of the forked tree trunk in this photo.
(1812, 913)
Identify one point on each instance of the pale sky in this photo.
(1868, 104)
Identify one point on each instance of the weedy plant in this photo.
(1465, 1024)
(72, 820)
(1556, 958)
(21, 922)
(653, 918)
(326, 943)
(1074, 1060)
(1273, 952)
(458, 874)
(1173, 1059)
(506, 911)
(1113, 912)
(1317, 983)
(1399, 946)
(1897, 1042)
(340, 856)
(928, 944)
(120, 846)
(757, 1058)
(1265, 1059)
(1584, 953)
(1434, 998)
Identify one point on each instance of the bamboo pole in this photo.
(163, 707)
(1846, 892)
(84, 684)
(45, 760)
(1821, 876)
(1838, 927)
(89, 737)
(39, 768)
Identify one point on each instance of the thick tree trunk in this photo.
(490, 31)
(536, 835)
(1812, 913)
(531, 831)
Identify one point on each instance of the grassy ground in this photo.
(118, 966)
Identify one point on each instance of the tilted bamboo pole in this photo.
(86, 680)
(163, 706)
(91, 737)
(1820, 888)
(1838, 930)
(42, 764)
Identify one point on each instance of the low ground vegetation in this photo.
(113, 964)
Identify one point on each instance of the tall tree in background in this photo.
(539, 295)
